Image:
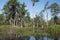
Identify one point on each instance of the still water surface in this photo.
(41, 38)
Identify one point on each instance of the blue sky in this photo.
(36, 9)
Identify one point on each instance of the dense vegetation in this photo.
(14, 13)
(15, 21)
(11, 31)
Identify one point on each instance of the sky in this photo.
(33, 10)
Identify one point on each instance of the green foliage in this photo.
(2, 20)
(55, 10)
(34, 1)
(37, 21)
(53, 31)
(22, 10)
(10, 9)
(13, 10)
(7, 30)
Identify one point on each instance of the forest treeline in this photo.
(14, 13)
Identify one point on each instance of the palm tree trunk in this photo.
(14, 22)
(33, 23)
(47, 17)
(21, 22)
(33, 19)
(37, 25)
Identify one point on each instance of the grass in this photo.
(54, 31)
(8, 30)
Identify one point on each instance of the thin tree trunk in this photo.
(37, 25)
(47, 17)
(33, 18)
(33, 25)
(14, 22)
(21, 23)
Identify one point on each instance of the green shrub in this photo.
(53, 31)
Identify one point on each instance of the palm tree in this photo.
(23, 11)
(55, 11)
(14, 11)
(33, 3)
(10, 9)
(27, 20)
(45, 9)
(41, 17)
